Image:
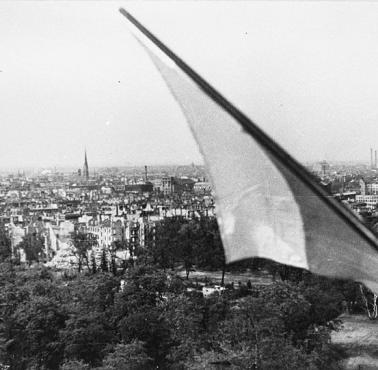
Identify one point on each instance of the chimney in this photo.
(145, 171)
(371, 157)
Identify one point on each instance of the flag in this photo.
(267, 204)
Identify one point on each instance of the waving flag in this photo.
(267, 204)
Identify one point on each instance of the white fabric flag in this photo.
(267, 204)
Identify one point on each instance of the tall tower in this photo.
(85, 167)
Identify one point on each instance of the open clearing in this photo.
(359, 337)
(230, 277)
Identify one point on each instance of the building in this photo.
(202, 187)
(170, 185)
(363, 187)
(371, 200)
(167, 185)
(372, 188)
(368, 187)
(106, 232)
(322, 169)
(146, 187)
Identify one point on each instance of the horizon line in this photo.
(51, 166)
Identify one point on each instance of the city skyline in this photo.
(140, 166)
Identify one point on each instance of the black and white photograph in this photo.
(188, 185)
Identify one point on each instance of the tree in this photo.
(92, 293)
(5, 245)
(131, 356)
(164, 251)
(150, 327)
(104, 262)
(325, 298)
(138, 311)
(93, 263)
(34, 334)
(144, 288)
(209, 252)
(87, 336)
(186, 318)
(74, 365)
(82, 243)
(186, 245)
(113, 266)
(275, 326)
(127, 247)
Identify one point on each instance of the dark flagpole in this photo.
(263, 139)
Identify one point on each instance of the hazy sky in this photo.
(74, 77)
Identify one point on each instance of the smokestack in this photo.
(375, 162)
(145, 168)
(371, 157)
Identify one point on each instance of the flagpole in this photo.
(263, 139)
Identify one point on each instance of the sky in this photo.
(73, 77)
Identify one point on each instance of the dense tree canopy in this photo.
(147, 317)
(190, 243)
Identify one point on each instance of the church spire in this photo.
(85, 168)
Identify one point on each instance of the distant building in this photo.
(372, 188)
(170, 185)
(157, 185)
(370, 200)
(139, 188)
(322, 169)
(363, 187)
(202, 187)
(368, 187)
(183, 184)
(167, 185)
(349, 196)
(106, 232)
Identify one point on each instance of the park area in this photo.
(356, 335)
